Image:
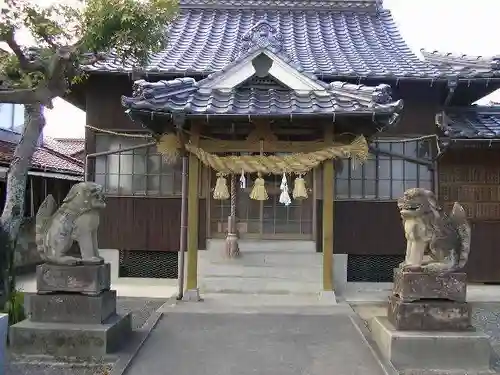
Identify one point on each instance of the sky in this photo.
(457, 26)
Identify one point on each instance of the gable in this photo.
(262, 63)
(263, 83)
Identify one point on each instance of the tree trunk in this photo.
(13, 211)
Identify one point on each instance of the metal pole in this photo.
(32, 198)
(183, 236)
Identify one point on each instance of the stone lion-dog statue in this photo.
(76, 220)
(430, 231)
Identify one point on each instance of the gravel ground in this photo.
(486, 317)
(141, 309)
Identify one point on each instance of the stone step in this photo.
(265, 245)
(265, 258)
(269, 272)
(248, 285)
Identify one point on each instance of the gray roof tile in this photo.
(185, 94)
(323, 39)
(296, 4)
(464, 66)
(474, 122)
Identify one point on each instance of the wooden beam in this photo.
(328, 215)
(193, 214)
(269, 146)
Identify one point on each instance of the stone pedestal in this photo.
(428, 315)
(467, 351)
(73, 314)
(429, 302)
(89, 280)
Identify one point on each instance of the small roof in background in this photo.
(45, 158)
(72, 146)
(475, 122)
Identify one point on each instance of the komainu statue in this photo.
(430, 231)
(76, 220)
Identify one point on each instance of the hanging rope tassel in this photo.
(284, 196)
(243, 180)
(221, 192)
(259, 192)
(299, 188)
(169, 145)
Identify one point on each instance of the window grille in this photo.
(383, 177)
(141, 172)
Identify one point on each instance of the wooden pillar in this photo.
(193, 214)
(328, 215)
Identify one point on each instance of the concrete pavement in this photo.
(269, 335)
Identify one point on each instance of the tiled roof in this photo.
(296, 4)
(324, 39)
(44, 158)
(185, 94)
(54, 145)
(71, 146)
(464, 66)
(473, 122)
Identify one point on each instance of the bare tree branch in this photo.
(26, 65)
(40, 95)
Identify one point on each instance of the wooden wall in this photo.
(128, 223)
(365, 228)
(471, 176)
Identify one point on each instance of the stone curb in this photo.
(124, 361)
(365, 333)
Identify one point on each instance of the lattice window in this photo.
(136, 172)
(372, 268)
(149, 264)
(383, 177)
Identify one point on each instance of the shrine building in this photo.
(302, 120)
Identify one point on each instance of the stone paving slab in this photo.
(187, 343)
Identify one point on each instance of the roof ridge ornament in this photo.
(262, 35)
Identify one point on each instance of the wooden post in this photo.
(193, 215)
(328, 216)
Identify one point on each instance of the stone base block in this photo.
(85, 279)
(73, 308)
(412, 286)
(444, 351)
(192, 295)
(70, 340)
(430, 315)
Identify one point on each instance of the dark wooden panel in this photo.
(417, 118)
(104, 109)
(484, 262)
(121, 228)
(319, 226)
(368, 228)
(374, 228)
(140, 224)
(202, 224)
(163, 222)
